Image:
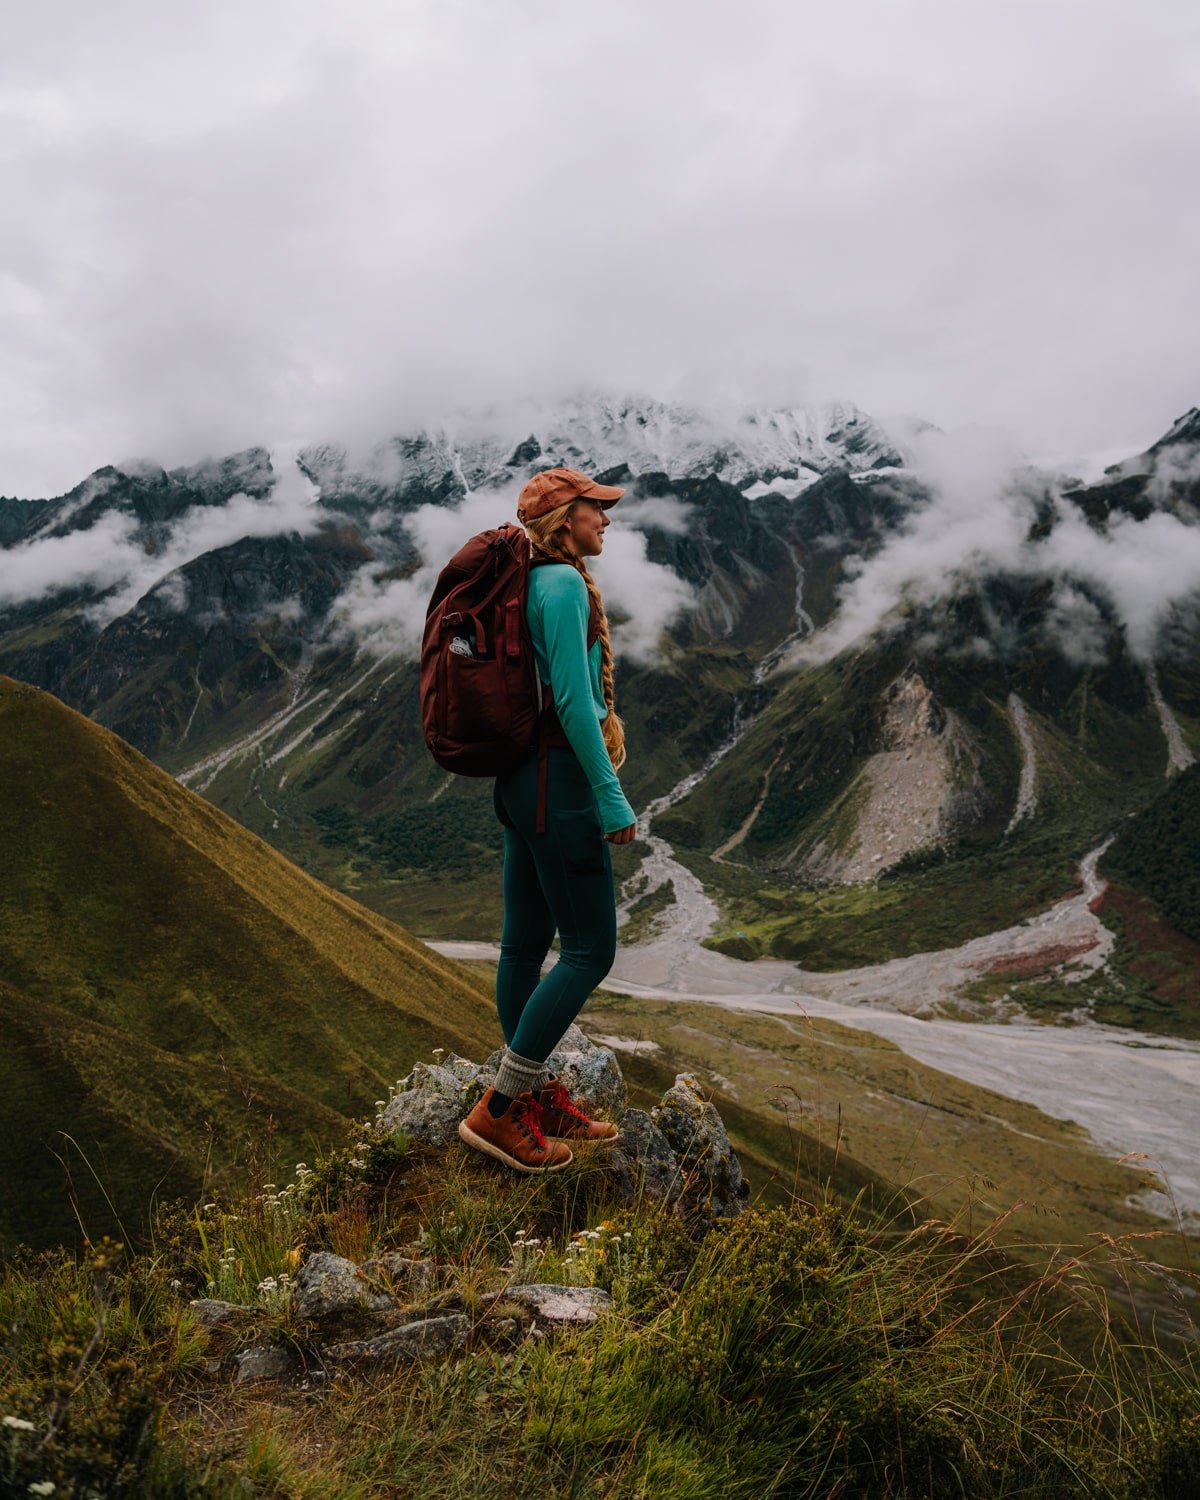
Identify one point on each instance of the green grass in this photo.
(803, 1349)
(176, 995)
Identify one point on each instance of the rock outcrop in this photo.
(678, 1154)
(390, 1307)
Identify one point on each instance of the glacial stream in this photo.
(1133, 1092)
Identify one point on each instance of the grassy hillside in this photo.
(175, 994)
(800, 1351)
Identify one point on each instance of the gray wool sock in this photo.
(516, 1074)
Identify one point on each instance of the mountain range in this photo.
(923, 687)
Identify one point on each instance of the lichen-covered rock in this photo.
(590, 1072)
(329, 1286)
(419, 1340)
(209, 1312)
(401, 1274)
(643, 1160)
(559, 1304)
(712, 1180)
(434, 1097)
(267, 1362)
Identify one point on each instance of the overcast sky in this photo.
(280, 221)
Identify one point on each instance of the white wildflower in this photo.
(18, 1424)
(42, 1487)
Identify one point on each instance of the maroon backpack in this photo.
(480, 695)
(483, 708)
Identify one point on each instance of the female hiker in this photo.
(560, 809)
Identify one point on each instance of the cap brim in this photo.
(607, 494)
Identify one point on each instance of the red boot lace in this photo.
(561, 1100)
(528, 1115)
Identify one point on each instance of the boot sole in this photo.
(492, 1149)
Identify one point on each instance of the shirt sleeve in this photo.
(564, 624)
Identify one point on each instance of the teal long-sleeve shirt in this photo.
(557, 611)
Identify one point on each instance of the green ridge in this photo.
(166, 978)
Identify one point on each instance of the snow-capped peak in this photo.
(598, 432)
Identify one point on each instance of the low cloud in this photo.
(386, 616)
(657, 513)
(103, 555)
(1075, 625)
(977, 522)
(111, 555)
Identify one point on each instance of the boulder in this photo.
(591, 1071)
(433, 1098)
(559, 1304)
(402, 1275)
(645, 1164)
(268, 1362)
(329, 1286)
(419, 1340)
(712, 1181)
(209, 1312)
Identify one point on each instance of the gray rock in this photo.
(592, 1072)
(401, 1273)
(559, 1304)
(329, 1286)
(212, 1313)
(712, 1175)
(268, 1362)
(419, 1340)
(433, 1098)
(643, 1160)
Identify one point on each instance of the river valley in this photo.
(1136, 1094)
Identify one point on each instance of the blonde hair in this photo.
(545, 534)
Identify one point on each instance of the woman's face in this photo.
(583, 530)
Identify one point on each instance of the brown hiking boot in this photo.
(515, 1137)
(562, 1118)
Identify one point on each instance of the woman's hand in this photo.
(623, 835)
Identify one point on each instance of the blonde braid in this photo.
(545, 533)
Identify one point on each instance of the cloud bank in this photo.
(291, 222)
(983, 502)
(111, 555)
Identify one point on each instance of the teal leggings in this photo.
(558, 880)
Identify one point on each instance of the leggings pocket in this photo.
(580, 839)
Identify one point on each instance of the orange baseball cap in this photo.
(554, 487)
